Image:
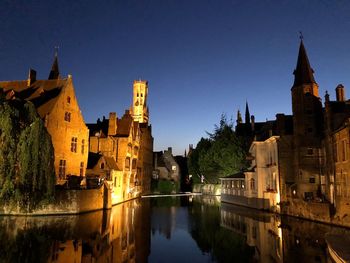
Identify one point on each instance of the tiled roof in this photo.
(42, 93)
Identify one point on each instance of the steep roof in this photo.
(55, 72)
(303, 74)
(42, 93)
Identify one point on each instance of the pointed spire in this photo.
(239, 117)
(247, 114)
(303, 74)
(55, 73)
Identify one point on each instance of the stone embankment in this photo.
(207, 189)
(68, 202)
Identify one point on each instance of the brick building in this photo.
(128, 140)
(57, 105)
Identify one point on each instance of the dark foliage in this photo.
(26, 156)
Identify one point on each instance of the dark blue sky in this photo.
(201, 58)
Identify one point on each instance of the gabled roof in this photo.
(94, 158)
(42, 93)
(303, 74)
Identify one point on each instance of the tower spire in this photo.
(239, 117)
(247, 114)
(303, 73)
(55, 72)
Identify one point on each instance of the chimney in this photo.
(112, 124)
(252, 122)
(31, 77)
(340, 92)
(170, 150)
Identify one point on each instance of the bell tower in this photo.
(139, 107)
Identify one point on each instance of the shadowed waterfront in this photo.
(171, 229)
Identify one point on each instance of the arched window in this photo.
(68, 100)
(102, 165)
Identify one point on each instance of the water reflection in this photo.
(119, 235)
(187, 229)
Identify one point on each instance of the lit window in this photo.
(67, 116)
(73, 145)
(62, 169)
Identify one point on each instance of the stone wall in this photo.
(309, 210)
(70, 202)
(207, 189)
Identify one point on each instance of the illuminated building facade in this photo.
(129, 143)
(57, 105)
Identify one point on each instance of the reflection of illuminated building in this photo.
(121, 235)
(261, 231)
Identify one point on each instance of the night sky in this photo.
(201, 58)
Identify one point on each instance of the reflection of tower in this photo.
(139, 107)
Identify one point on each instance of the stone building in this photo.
(128, 140)
(57, 105)
(165, 166)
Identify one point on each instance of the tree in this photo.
(26, 156)
(223, 154)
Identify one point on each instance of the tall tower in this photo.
(306, 104)
(307, 128)
(139, 107)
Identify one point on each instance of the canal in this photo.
(165, 229)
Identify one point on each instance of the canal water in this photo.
(165, 229)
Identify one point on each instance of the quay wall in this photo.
(68, 202)
(207, 189)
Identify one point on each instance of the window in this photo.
(252, 184)
(67, 116)
(133, 164)
(127, 164)
(137, 94)
(68, 100)
(141, 95)
(73, 145)
(82, 169)
(115, 182)
(102, 165)
(344, 150)
(82, 146)
(62, 169)
(312, 180)
(136, 149)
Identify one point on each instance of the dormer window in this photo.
(67, 116)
